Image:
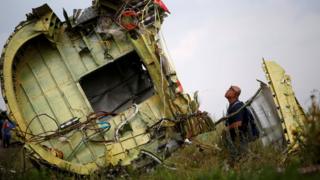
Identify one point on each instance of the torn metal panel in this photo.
(289, 109)
(266, 116)
(86, 15)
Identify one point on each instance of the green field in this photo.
(206, 158)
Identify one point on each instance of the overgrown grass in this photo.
(203, 160)
(270, 162)
(194, 162)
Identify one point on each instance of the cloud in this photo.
(189, 45)
(226, 46)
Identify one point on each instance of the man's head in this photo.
(233, 93)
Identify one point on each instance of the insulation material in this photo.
(118, 85)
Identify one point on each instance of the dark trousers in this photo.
(6, 141)
(236, 142)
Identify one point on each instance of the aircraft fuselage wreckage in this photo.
(97, 91)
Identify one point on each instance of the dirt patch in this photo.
(11, 159)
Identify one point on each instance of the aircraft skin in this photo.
(290, 111)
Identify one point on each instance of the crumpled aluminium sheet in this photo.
(267, 119)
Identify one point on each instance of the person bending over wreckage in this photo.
(240, 126)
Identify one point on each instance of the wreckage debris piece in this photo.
(70, 85)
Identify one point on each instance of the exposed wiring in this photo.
(157, 159)
(37, 116)
(39, 138)
(88, 139)
(120, 126)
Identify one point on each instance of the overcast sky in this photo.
(216, 43)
